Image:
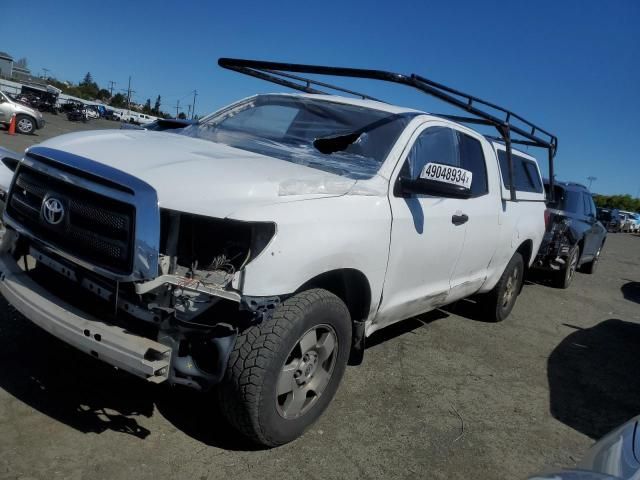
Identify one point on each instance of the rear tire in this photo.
(498, 303)
(283, 373)
(564, 277)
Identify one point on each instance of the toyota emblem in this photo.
(52, 211)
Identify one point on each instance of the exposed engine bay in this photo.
(190, 305)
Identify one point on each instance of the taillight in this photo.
(547, 218)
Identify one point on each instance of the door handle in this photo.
(459, 219)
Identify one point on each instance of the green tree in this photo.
(103, 94)
(156, 107)
(147, 107)
(182, 116)
(88, 79)
(118, 101)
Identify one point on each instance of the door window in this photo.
(447, 146)
(589, 208)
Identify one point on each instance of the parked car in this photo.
(257, 249)
(92, 112)
(28, 119)
(631, 222)
(614, 457)
(574, 237)
(611, 219)
(141, 118)
(79, 114)
(160, 125)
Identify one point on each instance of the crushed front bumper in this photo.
(135, 354)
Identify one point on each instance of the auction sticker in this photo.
(447, 174)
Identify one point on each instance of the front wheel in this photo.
(283, 373)
(564, 277)
(593, 264)
(25, 124)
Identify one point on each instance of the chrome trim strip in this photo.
(144, 199)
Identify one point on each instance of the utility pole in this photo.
(111, 85)
(189, 111)
(591, 180)
(177, 108)
(129, 94)
(46, 73)
(193, 111)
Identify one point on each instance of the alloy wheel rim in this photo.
(306, 371)
(25, 125)
(572, 266)
(510, 288)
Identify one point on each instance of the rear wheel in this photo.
(567, 273)
(498, 303)
(284, 372)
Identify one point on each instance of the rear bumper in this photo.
(135, 354)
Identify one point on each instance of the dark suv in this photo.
(574, 237)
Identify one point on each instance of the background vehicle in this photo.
(255, 249)
(141, 118)
(574, 237)
(631, 222)
(611, 219)
(79, 114)
(614, 457)
(28, 120)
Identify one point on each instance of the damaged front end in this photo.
(141, 283)
(191, 306)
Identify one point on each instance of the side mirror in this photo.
(421, 186)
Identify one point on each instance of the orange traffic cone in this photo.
(12, 125)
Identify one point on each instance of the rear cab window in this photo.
(526, 175)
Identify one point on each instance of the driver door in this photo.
(427, 235)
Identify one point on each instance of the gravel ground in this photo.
(439, 396)
(54, 125)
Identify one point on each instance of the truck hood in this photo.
(202, 177)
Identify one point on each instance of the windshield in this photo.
(347, 140)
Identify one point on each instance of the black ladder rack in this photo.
(502, 119)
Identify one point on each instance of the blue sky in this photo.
(572, 67)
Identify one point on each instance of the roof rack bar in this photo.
(322, 84)
(459, 119)
(274, 72)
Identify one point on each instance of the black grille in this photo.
(94, 228)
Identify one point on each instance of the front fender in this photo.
(316, 236)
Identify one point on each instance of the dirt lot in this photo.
(439, 396)
(55, 125)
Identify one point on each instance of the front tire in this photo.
(564, 277)
(283, 373)
(591, 267)
(25, 124)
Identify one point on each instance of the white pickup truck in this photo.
(259, 248)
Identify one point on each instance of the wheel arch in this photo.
(353, 288)
(348, 284)
(526, 250)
